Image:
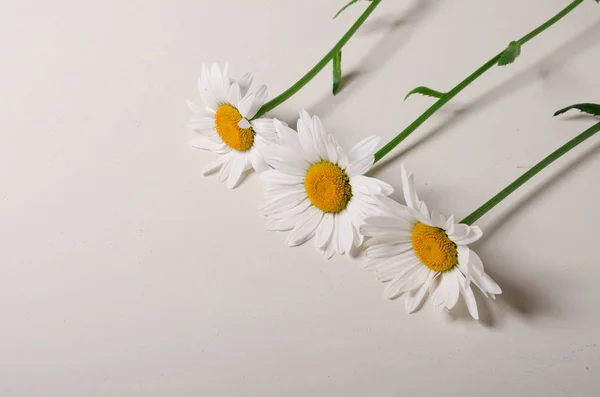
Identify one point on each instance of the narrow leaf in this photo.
(337, 72)
(425, 91)
(591, 108)
(348, 5)
(511, 53)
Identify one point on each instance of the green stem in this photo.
(319, 66)
(479, 212)
(465, 83)
(550, 22)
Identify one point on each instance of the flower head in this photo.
(416, 251)
(317, 189)
(230, 129)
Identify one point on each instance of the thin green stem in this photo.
(319, 66)
(479, 212)
(550, 22)
(434, 108)
(466, 82)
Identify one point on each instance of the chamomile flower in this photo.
(416, 251)
(229, 130)
(317, 189)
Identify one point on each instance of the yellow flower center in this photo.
(433, 247)
(328, 187)
(226, 121)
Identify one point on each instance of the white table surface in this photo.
(124, 272)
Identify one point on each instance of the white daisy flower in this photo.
(416, 251)
(318, 189)
(230, 130)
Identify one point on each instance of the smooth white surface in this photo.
(123, 272)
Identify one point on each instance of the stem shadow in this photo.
(506, 215)
(542, 70)
(398, 30)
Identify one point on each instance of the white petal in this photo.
(274, 176)
(463, 260)
(238, 164)
(449, 224)
(244, 83)
(258, 163)
(193, 107)
(342, 158)
(245, 105)
(446, 292)
(370, 264)
(324, 231)
(305, 230)
(206, 92)
(330, 248)
(244, 124)
(360, 167)
(204, 144)
(380, 225)
(217, 83)
(391, 238)
(415, 297)
(332, 153)
(408, 186)
(486, 284)
(202, 123)
(463, 237)
(365, 148)
(469, 297)
(306, 141)
(260, 96)
(357, 219)
(393, 269)
(453, 288)
(224, 173)
(389, 250)
(346, 234)
(288, 219)
(414, 278)
(319, 138)
(282, 203)
(336, 239)
(214, 166)
(287, 167)
(235, 95)
(369, 185)
(437, 219)
(475, 265)
(264, 127)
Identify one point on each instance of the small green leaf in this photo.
(348, 5)
(590, 108)
(511, 53)
(425, 91)
(337, 72)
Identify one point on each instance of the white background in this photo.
(124, 272)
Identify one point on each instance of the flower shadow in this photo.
(543, 69)
(398, 29)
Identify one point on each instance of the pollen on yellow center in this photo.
(433, 247)
(226, 121)
(328, 187)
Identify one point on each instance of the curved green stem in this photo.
(462, 85)
(479, 212)
(272, 104)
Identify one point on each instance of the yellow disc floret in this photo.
(433, 247)
(328, 187)
(226, 121)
